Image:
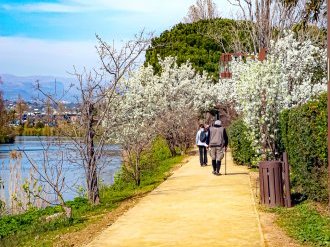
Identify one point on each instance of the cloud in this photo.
(42, 7)
(41, 54)
(26, 56)
(72, 6)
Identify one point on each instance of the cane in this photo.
(225, 162)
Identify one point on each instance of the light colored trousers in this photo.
(217, 153)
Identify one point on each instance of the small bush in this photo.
(150, 159)
(304, 137)
(241, 146)
(160, 150)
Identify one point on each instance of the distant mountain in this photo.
(25, 86)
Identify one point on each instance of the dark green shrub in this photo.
(240, 144)
(7, 138)
(39, 125)
(304, 137)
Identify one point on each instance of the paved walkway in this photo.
(191, 208)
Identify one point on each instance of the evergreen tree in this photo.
(201, 43)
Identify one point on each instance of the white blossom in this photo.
(292, 73)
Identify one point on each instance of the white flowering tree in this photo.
(292, 73)
(166, 104)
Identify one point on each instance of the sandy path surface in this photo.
(193, 207)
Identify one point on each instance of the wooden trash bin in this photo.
(271, 183)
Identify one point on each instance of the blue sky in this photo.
(48, 37)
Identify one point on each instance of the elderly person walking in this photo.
(218, 142)
(201, 139)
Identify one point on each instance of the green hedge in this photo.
(240, 144)
(304, 137)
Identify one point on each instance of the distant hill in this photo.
(25, 86)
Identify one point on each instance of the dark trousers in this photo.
(216, 164)
(202, 155)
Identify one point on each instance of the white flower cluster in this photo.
(144, 96)
(292, 73)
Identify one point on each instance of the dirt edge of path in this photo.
(84, 236)
(273, 235)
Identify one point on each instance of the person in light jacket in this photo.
(201, 139)
(218, 142)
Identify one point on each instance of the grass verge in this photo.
(305, 223)
(33, 229)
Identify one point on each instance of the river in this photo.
(72, 171)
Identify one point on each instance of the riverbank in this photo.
(34, 228)
(25, 131)
(7, 139)
(36, 131)
(34, 147)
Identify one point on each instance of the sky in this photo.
(49, 37)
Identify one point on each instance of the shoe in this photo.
(205, 164)
(218, 173)
(214, 173)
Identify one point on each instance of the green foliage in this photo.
(36, 131)
(11, 224)
(80, 204)
(40, 125)
(194, 42)
(304, 223)
(304, 137)
(7, 133)
(159, 150)
(7, 138)
(240, 144)
(150, 159)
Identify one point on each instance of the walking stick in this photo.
(225, 162)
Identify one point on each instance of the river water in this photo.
(60, 152)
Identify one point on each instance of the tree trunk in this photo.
(92, 180)
(137, 170)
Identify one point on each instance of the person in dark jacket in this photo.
(217, 142)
